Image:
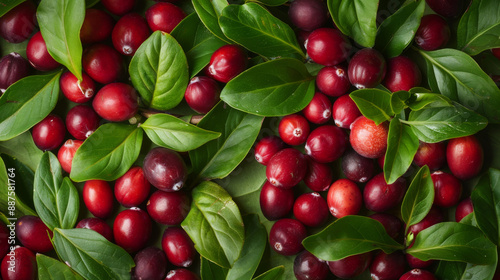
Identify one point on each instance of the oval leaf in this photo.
(272, 274)
(23, 149)
(271, 2)
(374, 104)
(52, 269)
(24, 179)
(421, 100)
(399, 100)
(450, 270)
(211, 271)
(418, 199)
(209, 12)
(486, 200)
(11, 206)
(285, 87)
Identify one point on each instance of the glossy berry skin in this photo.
(418, 274)
(319, 176)
(37, 54)
(34, 234)
(319, 110)
(102, 63)
(327, 46)
(311, 209)
(98, 198)
(326, 143)
(118, 7)
(294, 129)
(81, 121)
(168, 208)
(202, 93)
(78, 92)
(380, 196)
(116, 102)
(402, 74)
(306, 266)
(4, 240)
(415, 262)
(132, 229)
(447, 8)
(447, 189)
(356, 167)
(464, 208)
(98, 225)
(434, 216)
(286, 237)
(49, 133)
(18, 23)
(97, 26)
(345, 111)
(22, 258)
(129, 33)
(67, 152)
(286, 168)
(388, 266)
(150, 263)
(367, 138)
(344, 198)
(165, 169)
(226, 63)
(267, 147)
(13, 67)
(351, 266)
(392, 224)
(178, 247)
(132, 188)
(181, 274)
(431, 154)
(164, 16)
(308, 14)
(275, 202)
(367, 68)
(465, 157)
(333, 80)
(433, 33)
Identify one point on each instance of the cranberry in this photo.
(293, 129)
(415, 262)
(77, 91)
(102, 63)
(49, 133)
(345, 111)
(13, 67)
(286, 236)
(97, 225)
(380, 196)
(132, 229)
(81, 121)
(367, 68)
(34, 234)
(178, 247)
(431, 154)
(391, 223)
(402, 74)
(344, 198)
(319, 110)
(97, 26)
(326, 143)
(150, 263)
(319, 176)
(388, 266)
(181, 274)
(118, 7)
(116, 102)
(18, 23)
(433, 217)
(447, 189)
(286, 168)
(165, 169)
(496, 52)
(308, 14)
(226, 63)
(164, 16)
(327, 46)
(267, 147)
(132, 188)
(4, 240)
(333, 80)
(98, 197)
(367, 138)
(447, 8)
(202, 93)
(464, 208)
(306, 266)
(38, 55)
(464, 156)
(129, 33)
(275, 202)
(351, 266)
(433, 33)
(356, 167)
(418, 274)
(24, 263)
(67, 152)
(168, 208)
(311, 209)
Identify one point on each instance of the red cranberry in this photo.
(129, 33)
(391, 223)
(116, 102)
(388, 266)
(447, 189)
(275, 202)
(150, 263)
(202, 93)
(326, 143)
(286, 168)
(24, 263)
(496, 52)
(464, 208)
(367, 68)
(306, 266)
(4, 240)
(181, 274)
(67, 152)
(319, 110)
(308, 14)
(168, 208)
(178, 247)
(226, 63)
(97, 26)
(447, 8)
(165, 169)
(367, 138)
(402, 74)
(433, 217)
(333, 80)
(37, 54)
(319, 176)
(132, 229)
(433, 33)
(49, 133)
(102, 63)
(345, 111)
(286, 236)
(356, 167)
(164, 16)
(77, 91)
(13, 67)
(431, 154)
(311, 209)
(344, 198)
(418, 274)
(81, 121)
(380, 196)
(97, 225)
(465, 157)
(328, 46)
(18, 23)
(294, 129)
(351, 266)
(302, 36)
(132, 188)
(34, 234)
(118, 7)
(98, 197)
(267, 147)
(415, 262)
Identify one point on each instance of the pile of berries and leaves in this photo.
(265, 139)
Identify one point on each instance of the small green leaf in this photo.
(374, 104)
(398, 101)
(211, 271)
(272, 274)
(418, 199)
(420, 100)
(486, 200)
(52, 269)
(209, 12)
(480, 272)
(23, 149)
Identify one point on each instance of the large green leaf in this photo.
(159, 71)
(448, 270)
(24, 179)
(52, 269)
(272, 274)
(23, 149)
(11, 205)
(209, 12)
(374, 104)
(418, 199)
(211, 271)
(420, 100)
(284, 87)
(486, 200)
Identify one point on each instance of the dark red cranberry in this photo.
(496, 52)
(49, 133)
(447, 189)
(267, 147)
(333, 80)
(327, 46)
(448, 8)
(344, 198)
(465, 157)
(418, 274)
(164, 16)
(356, 167)
(97, 26)
(294, 129)
(18, 23)
(464, 208)
(391, 223)
(388, 266)
(13, 67)
(165, 169)
(22, 264)
(286, 168)
(34, 234)
(345, 111)
(168, 208)
(81, 121)
(431, 154)
(275, 203)
(118, 7)
(319, 110)
(102, 63)
(116, 102)
(306, 266)
(150, 263)
(67, 152)
(351, 266)
(367, 138)
(380, 196)
(178, 247)
(308, 14)
(311, 209)
(367, 68)
(129, 33)
(433, 217)
(415, 262)
(286, 236)
(98, 225)
(319, 176)
(132, 229)
(302, 36)
(77, 91)
(4, 239)
(202, 93)
(433, 33)
(98, 197)
(226, 63)
(37, 54)
(132, 188)
(326, 143)
(181, 274)
(402, 74)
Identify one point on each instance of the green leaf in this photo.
(447, 270)
(451, 241)
(215, 225)
(159, 71)
(23, 149)
(9, 5)
(107, 153)
(418, 199)
(479, 27)
(217, 158)
(24, 179)
(398, 101)
(374, 104)
(60, 23)
(272, 274)
(209, 12)
(271, 2)
(457, 76)
(11, 205)
(480, 272)
(211, 271)
(397, 31)
(421, 100)
(256, 29)
(91, 255)
(285, 87)
(90, 3)
(26, 103)
(486, 200)
(52, 269)
(350, 235)
(172, 133)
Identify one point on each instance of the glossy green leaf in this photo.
(11, 205)
(211, 271)
(486, 200)
(480, 272)
(107, 153)
(272, 274)
(209, 12)
(60, 23)
(374, 104)
(285, 87)
(418, 199)
(271, 2)
(91, 255)
(256, 29)
(448, 270)
(398, 101)
(215, 225)
(23, 149)
(24, 179)
(457, 76)
(26, 103)
(52, 269)
(421, 100)
(350, 235)
(159, 71)
(9, 5)
(172, 133)
(451, 241)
